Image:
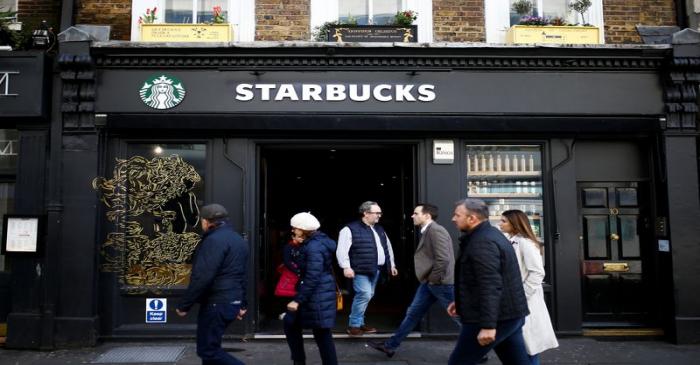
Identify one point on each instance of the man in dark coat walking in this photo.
(217, 283)
(489, 295)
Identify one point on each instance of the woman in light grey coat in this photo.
(537, 331)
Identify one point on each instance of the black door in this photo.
(616, 237)
(331, 182)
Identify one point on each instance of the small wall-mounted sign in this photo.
(443, 151)
(22, 235)
(156, 310)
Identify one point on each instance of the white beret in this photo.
(305, 221)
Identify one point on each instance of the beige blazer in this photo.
(434, 258)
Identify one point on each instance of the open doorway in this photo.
(331, 182)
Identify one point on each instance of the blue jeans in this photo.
(364, 291)
(534, 359)
(211, 324)
(295, 340)
(509, 344)
(425, 296)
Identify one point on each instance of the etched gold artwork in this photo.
(151, 204)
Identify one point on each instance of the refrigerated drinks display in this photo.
(507, 177)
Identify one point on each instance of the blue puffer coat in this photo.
(316, 291)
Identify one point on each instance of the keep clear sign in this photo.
(156, 310)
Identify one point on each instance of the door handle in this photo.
(614, 237)
(616, 267)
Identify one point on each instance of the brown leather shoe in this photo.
(354, 331)
(367, 329)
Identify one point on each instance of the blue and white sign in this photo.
(156, 310)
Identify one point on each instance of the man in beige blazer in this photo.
(434, 261)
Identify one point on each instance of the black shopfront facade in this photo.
(596, 145)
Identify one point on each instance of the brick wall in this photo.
(116, 13)
(621, 17)
(32, 12)
(282, 20)
(458, 21)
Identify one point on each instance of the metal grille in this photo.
(140, 354)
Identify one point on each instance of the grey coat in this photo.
(434, 258)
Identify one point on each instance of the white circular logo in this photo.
(162, 92)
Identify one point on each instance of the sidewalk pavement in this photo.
(572, 350)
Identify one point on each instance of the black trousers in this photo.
(323, 337)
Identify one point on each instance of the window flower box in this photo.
(551, 34)
(151, 32)
(372, 33)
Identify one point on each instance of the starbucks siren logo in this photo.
(162, 92)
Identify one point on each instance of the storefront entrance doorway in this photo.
(331, 182)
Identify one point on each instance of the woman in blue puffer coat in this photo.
(314, 306)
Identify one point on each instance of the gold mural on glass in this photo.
(151, 203)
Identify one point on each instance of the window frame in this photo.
(327, 10)
(497, 19)
(241, 15)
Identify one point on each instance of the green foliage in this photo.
(404, 18)
(522, 7)
(8, 37)
(320, 33)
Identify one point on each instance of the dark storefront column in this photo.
(567, 275)
(24, 322)
(71, 201)
(680, 141)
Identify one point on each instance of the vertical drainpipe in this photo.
(681, 13)
(67, 7)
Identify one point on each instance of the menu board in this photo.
(21, 235)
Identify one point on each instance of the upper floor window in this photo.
(8, 6)
(193, 11)
(368, 11)
(239, 13)
(500, 15)
(377, 12)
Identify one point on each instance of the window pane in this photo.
(178, 11)
(8, 5)
(384, 11)
(555, 8)
(355, 9)
(629, 235)
(205, 10)
(627, 197)
(9, 149)
(595, 198)
(515, 17)
(153, 201)
(596, 239)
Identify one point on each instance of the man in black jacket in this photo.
(489, 295)
(217, 283)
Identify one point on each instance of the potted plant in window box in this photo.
(399, 29)
(534, 29)
(218, 30)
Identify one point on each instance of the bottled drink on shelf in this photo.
(499, 163)
(506, 163)
(475, 163)
(491, 168)
(515, 163)
(522, 163)
(518, 187)
(531, 163)
(482, 165)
